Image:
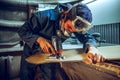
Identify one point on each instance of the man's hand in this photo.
(94, 56)
(45, 45)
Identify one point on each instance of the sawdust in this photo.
(111, 67)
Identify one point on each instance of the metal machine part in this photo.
(56, 56)
(56, 42)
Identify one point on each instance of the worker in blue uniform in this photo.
(39, 29)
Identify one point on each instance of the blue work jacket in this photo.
(44, 24)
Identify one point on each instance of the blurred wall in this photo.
(105, 11)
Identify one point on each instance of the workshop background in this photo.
(13, 13)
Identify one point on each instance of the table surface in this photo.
(110, 53)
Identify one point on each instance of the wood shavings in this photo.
(111, 67)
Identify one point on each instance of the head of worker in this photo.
(78, 19)
(75, 19)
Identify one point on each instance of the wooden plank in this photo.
(111, 52)
(81, 71)
(70, 55)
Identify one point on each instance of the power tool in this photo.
(56, 42)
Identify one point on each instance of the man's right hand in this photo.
(45, 45)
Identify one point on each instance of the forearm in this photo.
(87, 40)
(28, 31)
(27, 36)
(88, 44)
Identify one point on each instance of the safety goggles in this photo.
(81, 25)
(76, 25)
(74, 22)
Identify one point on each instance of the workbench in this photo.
(79, 70)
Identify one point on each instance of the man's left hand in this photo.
(93, 56)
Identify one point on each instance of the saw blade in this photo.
(55, 57)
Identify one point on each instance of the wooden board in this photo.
(110, 52)
(81, 71)
(70, 55)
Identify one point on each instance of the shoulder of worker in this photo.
(50, 14)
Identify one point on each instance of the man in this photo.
(39, 29)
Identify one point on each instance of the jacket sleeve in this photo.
(86, 39)
(28, 31)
